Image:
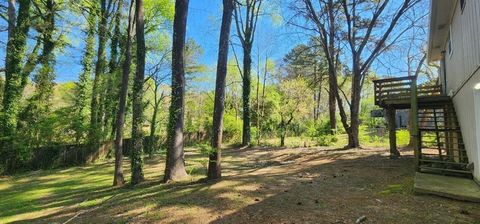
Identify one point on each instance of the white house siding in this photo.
(465, 36)
(462, 73)
(465, 108)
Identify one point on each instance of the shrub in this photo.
(326, 140)
(205, 149)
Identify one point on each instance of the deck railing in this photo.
(401, 89)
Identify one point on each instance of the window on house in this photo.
(462, 4)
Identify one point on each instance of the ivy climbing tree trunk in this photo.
(118, 179)
(137, 119)
(214, 164)
(39, 104)
(246, 82)
(100, 66)
(153, 122)
(12, 16)
(246, 26)
(84, 84)
(14, 82)
(175, 164)
(112, 86)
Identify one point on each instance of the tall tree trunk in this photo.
(332, 105)
(83, 86)
(12, 17)
(353, 140)
(175, 164)
(153, 127)
(101, 64)
(137, 119)
(262, 110)
(153, 122)
(118, 179)
(14, 81)
(333, 86)
(246, 32)
(257, 97)
(111, 92)
(283, 132)
(39, 104)
(319, 96)
(282, 138)
(315, 95)
(246, 81)
(214, 165)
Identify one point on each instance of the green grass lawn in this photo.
(260, 185)
(366, 140)
(39, 193)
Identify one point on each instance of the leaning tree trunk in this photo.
(247, 65)
(118, 179)
(175, 164)
(137, 104)
(214, 164)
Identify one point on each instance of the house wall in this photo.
(462, 74)
(477, 118)
(465, 57)
(465, 106)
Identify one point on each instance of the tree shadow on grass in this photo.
(341, 188)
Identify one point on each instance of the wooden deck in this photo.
(422, 101)
(397, 93)
(439, 146)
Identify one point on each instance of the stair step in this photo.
(441, 130)
(447, 156)
(445, 170)
(441, 139)
(444, 162)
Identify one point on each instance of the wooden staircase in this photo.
(439, 145)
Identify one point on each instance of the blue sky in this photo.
(203, 26)
(273, 37)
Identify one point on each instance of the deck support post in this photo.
(392, 130)
(415, 132)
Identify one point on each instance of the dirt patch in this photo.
(287, 186)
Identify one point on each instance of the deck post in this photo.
(414, 117)
(392, 130)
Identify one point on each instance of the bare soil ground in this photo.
(269, 185)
